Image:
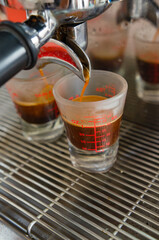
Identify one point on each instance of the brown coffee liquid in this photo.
(149, 69)
(93, 134)
(106, 63)
(87, 76)
(43, 109)
(148, 65)
(156, 35)
(37, 113)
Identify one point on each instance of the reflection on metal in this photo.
(136, 9)
(66, 11)
(78, 56)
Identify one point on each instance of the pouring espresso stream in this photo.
(86, 74)
(73, 58)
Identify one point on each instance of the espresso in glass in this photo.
(109, 63)
(148, 66)
(42, 110)
(93, 134)
(37, 113)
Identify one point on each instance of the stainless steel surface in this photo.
(70, 11)
(77, 54)
(44, 18)
(44, 196)
(135, 9)
(78, 33)
(8, 232)
(75, 11)
(40, 27)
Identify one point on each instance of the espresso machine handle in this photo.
(16, 51)
(13, 57)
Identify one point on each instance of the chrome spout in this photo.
(37, 30)
(79, 57)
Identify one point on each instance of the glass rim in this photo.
(65, 101)
(108, 34)
(143, 40)
(38, 78)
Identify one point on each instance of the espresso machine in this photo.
(62, 20)
(65, 22)
(42, 196)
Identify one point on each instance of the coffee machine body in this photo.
(62, 20)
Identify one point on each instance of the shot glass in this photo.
(92, 127)
(31, 93)
(146, 42)
(107, 46)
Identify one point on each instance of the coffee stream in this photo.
(87, 77)
(156, 35)
(43, 76)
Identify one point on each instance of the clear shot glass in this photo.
(107, 45)
(92, 127)
(146, 43)
(31, 93)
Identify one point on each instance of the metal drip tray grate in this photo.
(45, 197)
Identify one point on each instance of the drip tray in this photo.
(44, 197)
(8, 232)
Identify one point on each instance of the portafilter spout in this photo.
(79, 63)
(20, 42)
